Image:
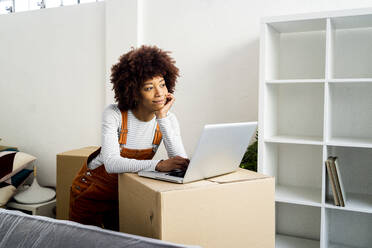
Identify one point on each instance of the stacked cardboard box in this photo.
(233, 210)
(68, 165)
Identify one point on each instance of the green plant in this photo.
(249, 160)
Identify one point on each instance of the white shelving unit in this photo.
(316, 101)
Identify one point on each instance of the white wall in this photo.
(52, 68)
(216, 46)
(121, 34)
(55, 65)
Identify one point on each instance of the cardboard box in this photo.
(68, 165)
(233, 210)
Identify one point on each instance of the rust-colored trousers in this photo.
(94, 193)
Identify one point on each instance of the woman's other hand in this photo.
(164, 110)
(172, 164)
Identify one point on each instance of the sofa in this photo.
(18, 229)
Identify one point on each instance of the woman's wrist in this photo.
(161, 115)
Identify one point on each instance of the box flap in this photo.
(239, 175)
(163, 186)
(82, 152)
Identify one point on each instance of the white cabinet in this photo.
(43, 209)
(316, 101)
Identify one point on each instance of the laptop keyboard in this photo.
(177, 173)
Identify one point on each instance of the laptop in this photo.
(220, 150)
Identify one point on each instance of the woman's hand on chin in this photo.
(161, 113)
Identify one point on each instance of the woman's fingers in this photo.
(182, 167)
(171, 96)
(164, 110)
(179, 157)
(182, 160)
(170, 102)
(178, 162)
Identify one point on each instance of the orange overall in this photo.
(94, 193)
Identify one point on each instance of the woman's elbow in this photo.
(109, 164)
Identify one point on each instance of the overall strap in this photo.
(124, 128)
(157, 136)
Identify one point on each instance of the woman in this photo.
(143, 81)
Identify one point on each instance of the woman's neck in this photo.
(143, 115)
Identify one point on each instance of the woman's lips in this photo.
(159, 102)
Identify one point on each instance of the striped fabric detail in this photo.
(12, 162)
(6, 163)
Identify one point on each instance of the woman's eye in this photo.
(162, 85)
(147, 89)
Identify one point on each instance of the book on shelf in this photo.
(335, 179)
(331, 182)
(338, 179)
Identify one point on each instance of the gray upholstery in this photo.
(21, 230)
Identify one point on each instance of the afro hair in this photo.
(138, 66)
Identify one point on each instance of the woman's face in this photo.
(154, 94)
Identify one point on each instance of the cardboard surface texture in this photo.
(232, 210)
(68, 165)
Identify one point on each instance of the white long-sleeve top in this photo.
(140, 136)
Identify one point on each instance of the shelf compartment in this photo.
(284, 241)
(351, 47)
(294, 110)
(350, 142)
(294, 51)
(298, 195)
(355, 170)
(340, 246)
(348, 229)
(350, 111)
(296, 140)
(297, 170)
(352, 22)
(297, 222)
(350, 80)
(295, 81)
(356, 202)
